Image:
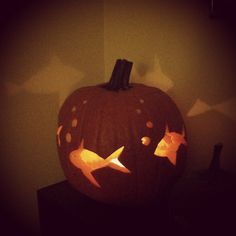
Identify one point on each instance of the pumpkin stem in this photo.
(120, 75)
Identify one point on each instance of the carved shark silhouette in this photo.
(169, 145)
(88, 161)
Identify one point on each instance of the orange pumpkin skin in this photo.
(107, 120)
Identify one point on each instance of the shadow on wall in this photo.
(48, 49)
(203, 120)
(29, 119)
(154, 77)
(194, 63)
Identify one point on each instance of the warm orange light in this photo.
(89, 161)
(74, 123)
(149, 124)
(73, 109)
(146, 141)
(58, 135)
(138, 111)
(68, 137)
(169, 145)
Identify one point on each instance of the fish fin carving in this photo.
(81, 146)
(90, 177)
(58, 135)
(172, 157)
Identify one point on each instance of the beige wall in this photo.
(51, 49)
(196, 52)
(48, 50)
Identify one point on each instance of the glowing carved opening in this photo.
(58, 135)
(146, 141)
(68, 137)
(149, 124)
(169, 145)
(74, 123)
(89, 161)
(141, 100)
(73, 109)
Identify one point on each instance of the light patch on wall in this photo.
(198, 107)
(227, 108)
(54, 78)
(155, 77)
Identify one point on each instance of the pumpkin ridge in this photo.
(84, 114)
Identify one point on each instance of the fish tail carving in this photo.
(114, 163)
(117, 165)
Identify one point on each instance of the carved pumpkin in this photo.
(121, 144)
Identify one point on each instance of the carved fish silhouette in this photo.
(89, 161)
(169, 145)
(154, 77)
(227, 108)
(55, 78)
